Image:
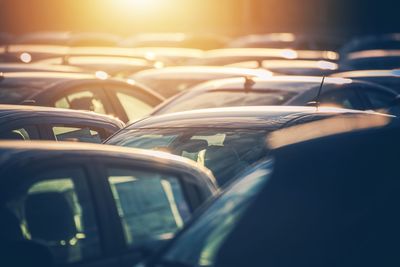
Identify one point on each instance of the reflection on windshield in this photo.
(226, 152)
(200, 243)
(226, 99)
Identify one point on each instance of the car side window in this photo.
(55, 210)
(151, 205)
(133, 106)
(379, 99)
(23, 133)
(75, 133)
(81, 100)
(342, 98)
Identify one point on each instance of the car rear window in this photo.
(16, 94)
(216, 99)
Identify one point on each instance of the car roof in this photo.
(272, 52)
(263, 83)
(36, 67)
(189, 71)
(287, 63)
(12, 150)
(13, 112)
(268, 117)
(373, 54)
(368, 73)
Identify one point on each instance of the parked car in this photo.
(92, 205)
(283, 90)
(291, 66)
(125, 100)
(176, 39)
(371, 42)
(34, 67)
(220, 57)
(287, 40)
(311, 203)
(388, 78)
(172, 80)
(114, 65)
(43, 123)
(371, 59)
(225, 140)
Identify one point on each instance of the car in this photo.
(312, 202)
(43, 38)
(171, 80)
(371, 59)
(43, 123)
(371, 42)
(115, 66)
(27, 53)
(283, 90)
(291, 66)
(225, 140)
(287, 40)
(219, 57)
(90, 204)
(388, 78)
(36, 67)
(176, 39)
(120, 98)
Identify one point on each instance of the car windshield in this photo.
(169, 87)
(16, 94)
(200, 242)
(225, 152)
(232, 98)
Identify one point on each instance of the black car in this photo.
(93, 205)
(43, 123)
(388, 78)
(311, 203)
(123, 99)
(284, 90)
(371, 59)
(225, 140)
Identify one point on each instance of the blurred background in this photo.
(230, 17)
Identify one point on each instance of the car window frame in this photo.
(44, 165)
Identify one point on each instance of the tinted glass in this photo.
(134, 107)
(55, 209)
(226, 99)
(81, 134)
(25, 133)
(342, 98)
(151, 205)
(225, 152)
(16, 94)
(83, 100)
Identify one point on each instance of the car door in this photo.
(151, 203)
(55, 206)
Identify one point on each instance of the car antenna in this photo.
(65, 60)
(317, 101)
(248, 83)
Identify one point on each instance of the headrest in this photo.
(50, 217)
(193, 146)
